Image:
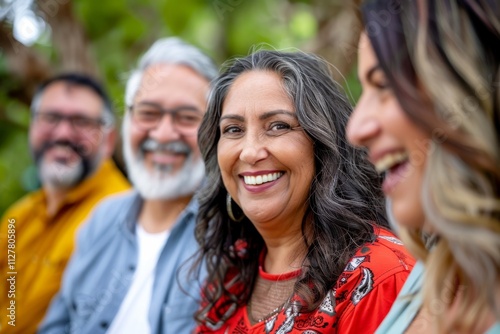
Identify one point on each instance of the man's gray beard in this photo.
(59, 175)
(161, 183)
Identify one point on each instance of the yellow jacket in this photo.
(34, 248)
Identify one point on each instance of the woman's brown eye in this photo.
(381, 84)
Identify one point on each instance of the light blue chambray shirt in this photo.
(100, 272)
(408, 303)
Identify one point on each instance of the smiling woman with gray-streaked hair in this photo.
(291, 224)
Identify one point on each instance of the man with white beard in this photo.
(129, 273)
(71, 137)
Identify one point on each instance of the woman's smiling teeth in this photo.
(259, 179)
(390, 160)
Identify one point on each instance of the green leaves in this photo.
(120, 31)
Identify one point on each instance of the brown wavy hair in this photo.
(442, 61)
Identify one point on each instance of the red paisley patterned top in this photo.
(357, 303)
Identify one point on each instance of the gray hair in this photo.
(170, 50)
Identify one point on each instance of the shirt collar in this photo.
(133, 213)
(87, 186)
(81, 190)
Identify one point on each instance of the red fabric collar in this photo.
(275, 277)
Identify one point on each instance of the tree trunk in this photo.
(68, 37)
(25, 65)
(338, 34)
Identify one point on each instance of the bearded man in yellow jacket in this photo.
(72, 138)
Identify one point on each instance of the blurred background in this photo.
(39, 38)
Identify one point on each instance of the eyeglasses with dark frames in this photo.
(185, 119)
(50, 120)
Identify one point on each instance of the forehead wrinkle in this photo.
(271, 113)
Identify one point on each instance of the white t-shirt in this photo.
(132, 317)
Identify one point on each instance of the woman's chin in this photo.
(407, 215)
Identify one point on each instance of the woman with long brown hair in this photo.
(430, 118)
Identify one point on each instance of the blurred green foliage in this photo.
(120, 31)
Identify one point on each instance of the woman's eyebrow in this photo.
(264, 116)
(232, 116)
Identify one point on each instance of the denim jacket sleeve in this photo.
(60, 316)
(101, 269)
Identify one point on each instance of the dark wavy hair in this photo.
(345, 200)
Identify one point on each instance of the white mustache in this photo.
(178, 147)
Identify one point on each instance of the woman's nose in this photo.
(253, 149)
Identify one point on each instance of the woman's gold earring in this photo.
(229, 208)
